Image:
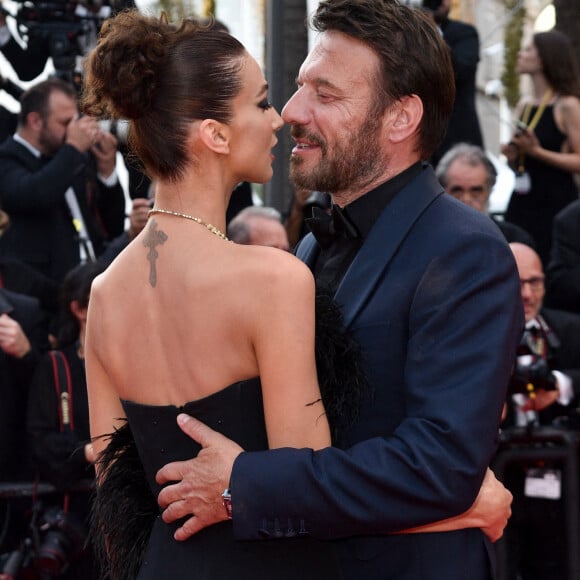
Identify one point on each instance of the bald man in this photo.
(536, 535)
(259, 226)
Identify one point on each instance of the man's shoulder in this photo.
(559, 319)
(570, 213)
(11, 149)
(457, 28)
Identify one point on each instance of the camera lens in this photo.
(51, 557)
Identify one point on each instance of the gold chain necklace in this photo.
(210, 227)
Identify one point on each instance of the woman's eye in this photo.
(265, 104)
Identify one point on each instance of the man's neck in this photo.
(343, 198)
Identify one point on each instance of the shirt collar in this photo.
(28, 146)
(363, 212)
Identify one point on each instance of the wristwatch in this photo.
(227, 499)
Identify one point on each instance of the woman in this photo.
(545, 150)
(185, 320)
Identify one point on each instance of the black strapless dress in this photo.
(127, 528)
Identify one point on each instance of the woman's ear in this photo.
(405, 118)
(215, 135)
(79, 312)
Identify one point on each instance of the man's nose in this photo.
(295, 110)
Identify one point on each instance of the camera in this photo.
(62, 539)
(67, 28)
(55, 538)
(531, 370)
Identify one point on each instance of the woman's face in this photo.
(253, 126)
(528, 60)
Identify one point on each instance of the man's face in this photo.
(531, 279)
(337, 135)
(267, 232)
(61, 111)
(468, 184)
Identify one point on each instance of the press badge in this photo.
(523, 183)
(544, 483)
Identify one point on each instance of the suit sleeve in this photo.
(463, 326)
(26, 190)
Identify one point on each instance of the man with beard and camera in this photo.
(59, 183)
(544, 391)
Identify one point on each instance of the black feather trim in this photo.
(123, 510)
(339, 365)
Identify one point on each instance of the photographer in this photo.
(545, 388)
(548, 354)
(59, 183)
(58, 428)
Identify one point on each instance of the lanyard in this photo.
(531, 125)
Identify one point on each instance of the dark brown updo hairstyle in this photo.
(161, 77)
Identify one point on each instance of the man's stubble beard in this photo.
(352, 166)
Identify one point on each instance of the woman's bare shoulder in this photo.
(275, 268)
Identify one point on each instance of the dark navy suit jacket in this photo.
(433, 298)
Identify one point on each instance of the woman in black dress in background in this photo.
(546, 155)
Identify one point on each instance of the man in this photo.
(428, 289)
(463, 42)
(546, 389)
(259, 226)
(551, 337)
(468, 175)
(564, 267)
(59, 185)
(23, 338)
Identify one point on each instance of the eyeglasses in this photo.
(536, 283)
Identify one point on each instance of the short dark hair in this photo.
(161, 77)
(35, 99)
(415, 60)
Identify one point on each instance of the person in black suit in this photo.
(563, 273)
(427, 287)
(59, 185)
(548, 360)
(23, 338)
(467, 174)
(463, 41)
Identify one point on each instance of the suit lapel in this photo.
(308, 250)
(383, 241)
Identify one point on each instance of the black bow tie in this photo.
(327, 227)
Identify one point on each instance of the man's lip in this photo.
(305, 146)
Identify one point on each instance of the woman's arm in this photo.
(105, 409)
(490, 512)
(567, 115)
(283, 339)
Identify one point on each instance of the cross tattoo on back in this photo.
(153, 238)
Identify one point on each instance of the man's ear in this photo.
(34, 120)
(404, 119)
(215, 135)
